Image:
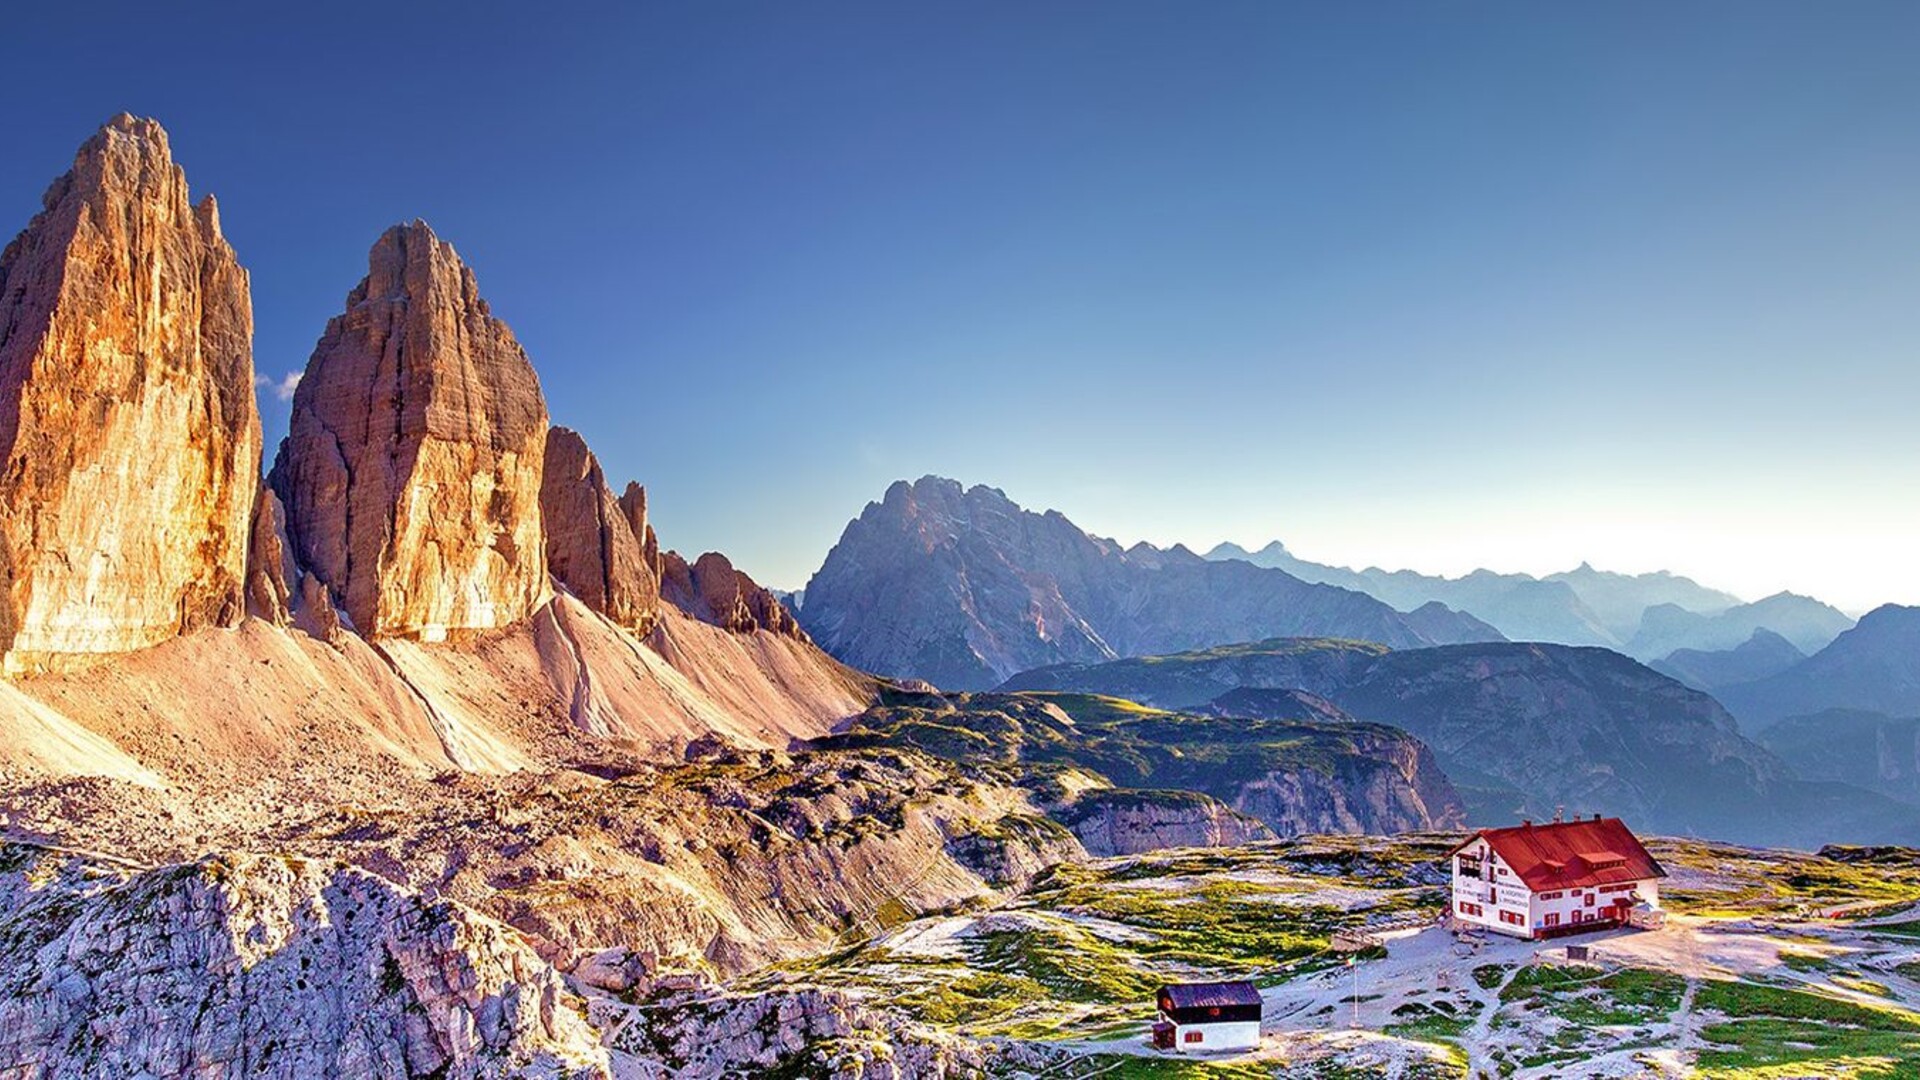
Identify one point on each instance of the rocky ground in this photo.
(1773, 964)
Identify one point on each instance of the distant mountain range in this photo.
(1524, 729)
(1647, 616)
(1765, 653)
(962, 587)
(1873, 667)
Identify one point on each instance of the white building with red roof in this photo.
(1565, 877)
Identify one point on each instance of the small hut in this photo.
(1208, 1017)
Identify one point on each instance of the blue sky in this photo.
(1418, 285)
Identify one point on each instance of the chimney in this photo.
(1559, 814)
(1526, 823)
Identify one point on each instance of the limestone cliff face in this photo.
(411, 477)
(130, 435)
(712, 591)
(592, 546)
(260, 966)
(1391, 784)
(1132, 822)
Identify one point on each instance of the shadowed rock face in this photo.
(592, 548)
(411, 477)
(127, 416)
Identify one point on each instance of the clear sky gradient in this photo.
(1423, 285)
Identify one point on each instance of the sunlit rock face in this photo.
(130, 435)
(411, 475)
(592, 548)
(261, 966)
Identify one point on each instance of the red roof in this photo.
(1572, 854)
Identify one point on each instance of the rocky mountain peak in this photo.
(963, 588)
(411, 475)
(127, 418)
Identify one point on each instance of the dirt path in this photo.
(1480, 1063)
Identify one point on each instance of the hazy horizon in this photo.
(1498, 286)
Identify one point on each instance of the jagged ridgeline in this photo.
(964, 588)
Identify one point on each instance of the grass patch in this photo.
(1488, 976)
(1769, 1028)
(1575, 995)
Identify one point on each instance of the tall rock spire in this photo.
(411, 475)
(591, 545)
(128, 426)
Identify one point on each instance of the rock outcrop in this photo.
(130, 435)
(1120, 822)
(270, 570)
(411, 476)
(804, 1031)
(712, 591)
(1387, 782)
(963, 588)
(633, 503)
(592, 546)
(271, 967)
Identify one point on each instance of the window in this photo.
(1551, 895)
(1553, 918)
(1470, 909)
(1469, 867)
(1194, 1036)
(1513, 918)
(1589, 900)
